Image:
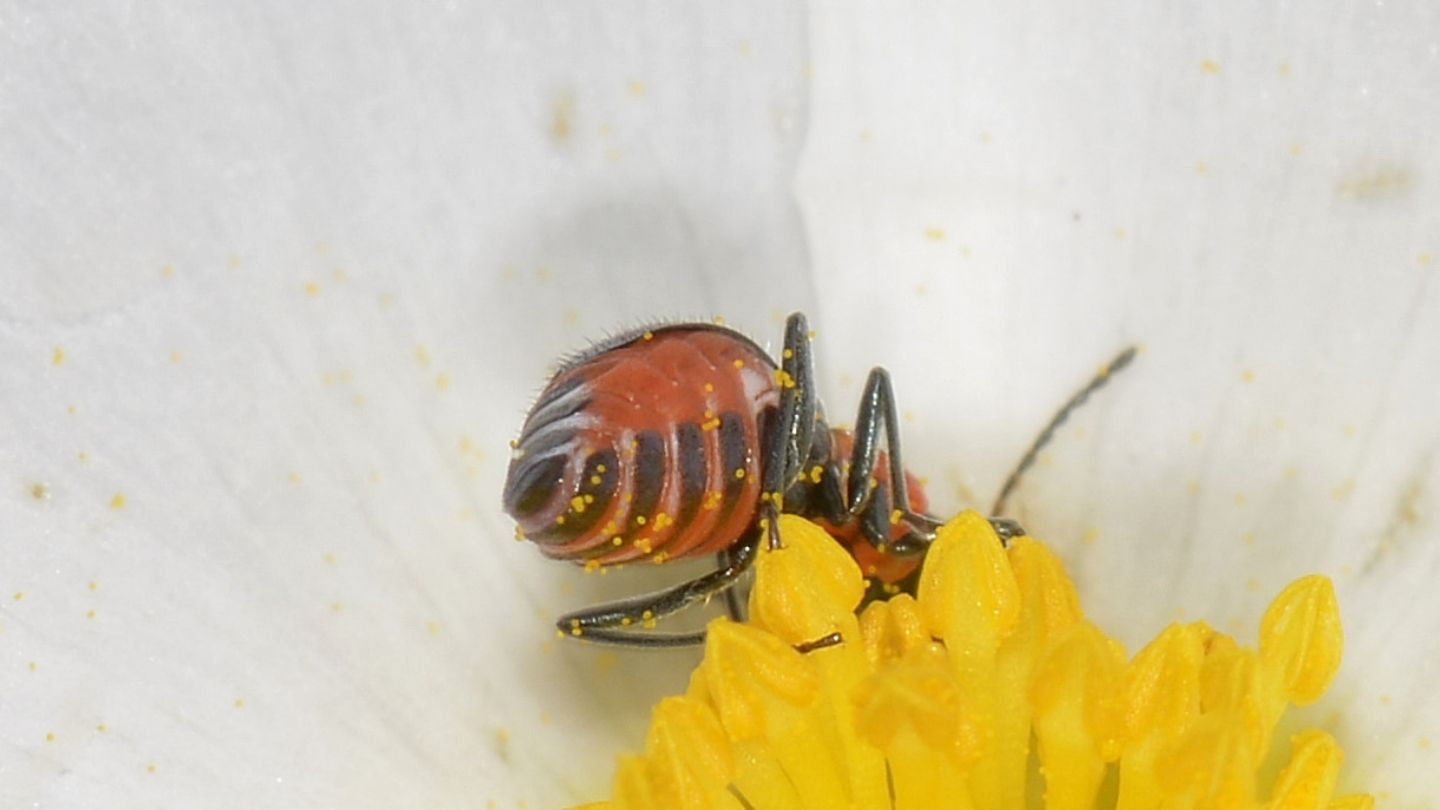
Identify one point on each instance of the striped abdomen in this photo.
(647, 447)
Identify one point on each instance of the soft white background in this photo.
(286, 276)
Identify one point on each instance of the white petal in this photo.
(283, 281)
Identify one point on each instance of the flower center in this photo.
(988, 690)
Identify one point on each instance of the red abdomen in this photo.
(648, 446)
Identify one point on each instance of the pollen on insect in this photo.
(649, 335)
(596, 480)
(577, 504)
(788, 353)
(711, 424)
(816, 473)
(519, 534)
(660, 557)
(617, 542)
(709, 388)
(600, 468)
(740, 472)
(644, 545)
(559, 520)
(895, 516)
(739, 363)
(640, 520)
(591, 566)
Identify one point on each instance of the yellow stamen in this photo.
(933, 701)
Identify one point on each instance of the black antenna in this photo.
(1120, 362)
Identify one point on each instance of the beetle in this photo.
(687, 439)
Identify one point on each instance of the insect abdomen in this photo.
(648, 449)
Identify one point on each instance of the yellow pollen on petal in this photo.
(989, 688)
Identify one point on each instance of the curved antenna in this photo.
(1028, 460)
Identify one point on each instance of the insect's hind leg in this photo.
(627, 621)
(786, 446)
(1027, 461)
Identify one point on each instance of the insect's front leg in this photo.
(879, 508)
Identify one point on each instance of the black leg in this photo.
(788, 442)
(1028, 460)
(628, 621)
(874, 508)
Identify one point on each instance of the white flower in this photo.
(278, 284)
